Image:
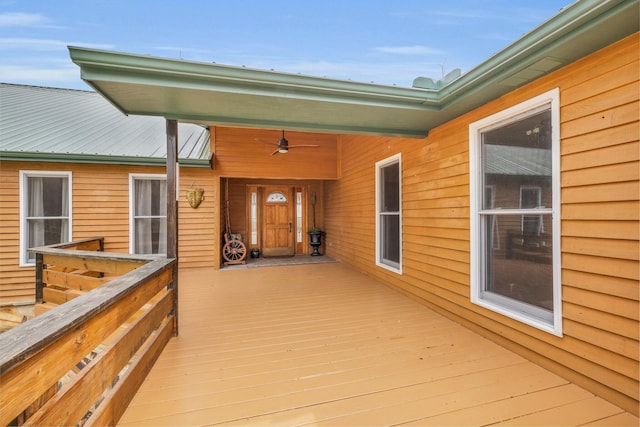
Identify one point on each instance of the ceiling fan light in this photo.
(283, 150)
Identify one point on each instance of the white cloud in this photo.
(520, 14)
(408, 50)
(38, 75)
(46, 44)
(17, 19)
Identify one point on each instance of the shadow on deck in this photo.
(281, 261)
(325, 345)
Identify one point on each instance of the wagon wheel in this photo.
(234, 250)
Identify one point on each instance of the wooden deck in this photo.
(325, 345)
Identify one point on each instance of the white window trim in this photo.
(397, 158)
(24, 174)
(551, 98)
(132, 178)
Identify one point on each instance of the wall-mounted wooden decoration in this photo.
(195, 196)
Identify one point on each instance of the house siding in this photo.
(101, 209)
(101, 198)
(246, 153)
(599, 222)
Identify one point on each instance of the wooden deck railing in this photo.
(61, 277)
(103, 342)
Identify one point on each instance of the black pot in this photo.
(255, 253)
(315, 240)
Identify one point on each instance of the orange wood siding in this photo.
(600, 217)
(101, 209)
(240, 153)
(16, 284)
(197, 228)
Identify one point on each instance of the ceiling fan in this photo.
(283, 146)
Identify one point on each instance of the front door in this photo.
(278, 227)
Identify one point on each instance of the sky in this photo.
(388, 42)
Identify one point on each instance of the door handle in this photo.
(290, 225)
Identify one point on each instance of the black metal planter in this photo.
(315, 240)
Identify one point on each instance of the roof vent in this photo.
(429, 83)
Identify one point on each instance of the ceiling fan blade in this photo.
(266, 142)
(283, 145)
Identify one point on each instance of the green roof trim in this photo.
(578, 30)
(25, 156)
(237, 96)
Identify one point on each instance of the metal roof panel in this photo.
(40, 120)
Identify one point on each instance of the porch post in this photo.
(172, 207)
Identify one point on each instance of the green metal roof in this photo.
(237, 96)
(62, 125)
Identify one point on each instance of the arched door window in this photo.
(276, 197)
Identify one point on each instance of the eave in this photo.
(41, 157)
(237, 96)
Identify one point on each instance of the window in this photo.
(276, 197)
(298, 216)
(388, 214)
(254, 217)
(515, 202)
(45, 211)
(148, 214)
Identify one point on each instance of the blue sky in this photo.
(381, 41)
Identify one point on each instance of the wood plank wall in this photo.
(600, 217)
(101, 208)
(243, 153)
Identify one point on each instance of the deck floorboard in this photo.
(324, 345)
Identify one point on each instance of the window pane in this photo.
(390, 178)
(43, 232)
(254, 218)
(276, 197)
(390, 238)
(298, 216)
(515, 155)
(150, 235)
(47, 212)
(47, 196)
(150, 197)
(519, 266)
(150, 222)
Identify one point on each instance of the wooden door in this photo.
(278, 227)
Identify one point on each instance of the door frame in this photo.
(255, 237)
(278, 236)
